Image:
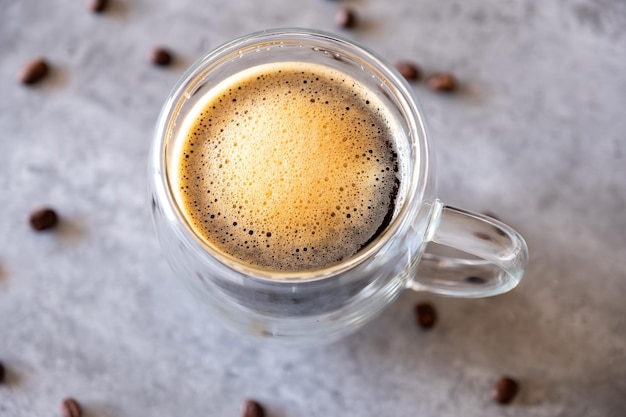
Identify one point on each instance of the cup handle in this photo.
(502, 253)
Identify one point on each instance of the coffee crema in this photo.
(288, 167)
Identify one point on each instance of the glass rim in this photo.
(419, 177)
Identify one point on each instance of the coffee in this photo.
(288, 166)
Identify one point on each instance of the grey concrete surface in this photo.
(537, 134)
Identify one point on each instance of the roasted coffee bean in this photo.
(34, 71)
(408, 70)
(345, 18)
(98, 6)
(251, 408)
(505, 390)
(70, 408)
(425, 315)
(161, 57)
(497, 229)
(442, 82)
(43, 219)
(2, 373)
(475, 280)
(483, 236)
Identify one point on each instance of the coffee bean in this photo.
(251, 408)
(475, 280)
(497, 229)
(505, 390)
(98, 6)
(345, 18)
(43, 219)
(34, 71)
(160, 56)
(425, 315)
(483, 236)
(2, 373)
(70, 408)
(442, 82)
(408, 70)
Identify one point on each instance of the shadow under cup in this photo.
(313, 303)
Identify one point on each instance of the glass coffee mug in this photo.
(338, 298)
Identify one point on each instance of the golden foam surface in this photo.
(288, 167)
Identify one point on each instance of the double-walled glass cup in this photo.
(339, 298)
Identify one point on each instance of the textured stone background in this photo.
(537, 134)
